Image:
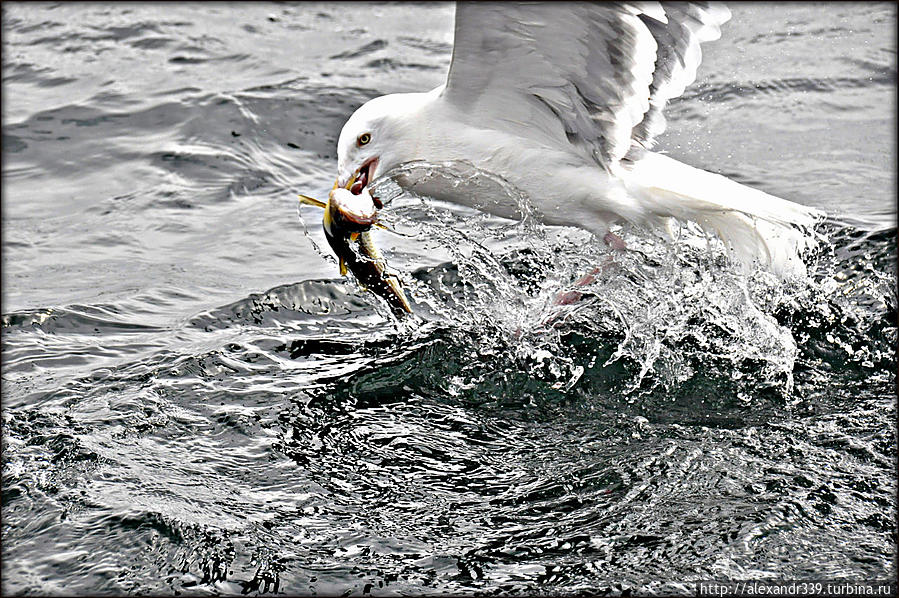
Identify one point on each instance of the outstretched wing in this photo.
(602, 73)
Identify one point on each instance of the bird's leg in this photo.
(569, 297)
(614, 241)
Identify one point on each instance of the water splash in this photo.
(667, 313)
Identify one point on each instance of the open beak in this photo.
(359, 179)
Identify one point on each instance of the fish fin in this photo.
(385, 227)
(354, 236)
(342, 267)
(311, 201)
(392, 231)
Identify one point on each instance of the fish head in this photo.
(348, 212)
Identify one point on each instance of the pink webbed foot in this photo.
(573, 296)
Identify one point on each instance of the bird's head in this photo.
(374, 140)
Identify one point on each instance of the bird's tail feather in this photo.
(757, 227)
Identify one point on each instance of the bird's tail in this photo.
(758, 228)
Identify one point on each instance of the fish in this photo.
(347, 222)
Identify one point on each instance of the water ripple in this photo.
(194, 401)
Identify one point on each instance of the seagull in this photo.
(564, 101)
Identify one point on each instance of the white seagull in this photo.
(564, 102)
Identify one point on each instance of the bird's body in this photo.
(569, 121)
(567, 188)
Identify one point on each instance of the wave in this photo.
(733, 90)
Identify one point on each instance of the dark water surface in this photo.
(194, 401)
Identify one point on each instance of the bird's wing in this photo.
(600, 72)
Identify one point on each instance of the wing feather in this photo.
(594, 75)
(678, 57)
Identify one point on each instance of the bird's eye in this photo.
(363, 139)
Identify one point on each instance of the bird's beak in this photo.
(359, 179)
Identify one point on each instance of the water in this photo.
(194, 401)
